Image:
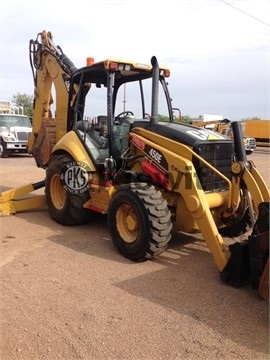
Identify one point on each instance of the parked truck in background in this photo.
(223, 126)
(15, 129)
(249, 142)
(259, 129)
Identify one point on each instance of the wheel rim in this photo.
(127, 223)
(58, 193)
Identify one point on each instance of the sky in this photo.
(218, 51)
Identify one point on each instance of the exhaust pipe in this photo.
(155, 86)
(239, 142)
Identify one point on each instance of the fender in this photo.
(71, 144)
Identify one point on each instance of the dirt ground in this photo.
(67, 294)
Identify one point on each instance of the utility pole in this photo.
(124, 100)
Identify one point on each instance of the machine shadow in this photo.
(186, 273)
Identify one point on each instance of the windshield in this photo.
(13, 120)
(128, 99)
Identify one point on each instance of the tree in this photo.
(186, 119)
(163, 118)
(252, 118)
(26, 101)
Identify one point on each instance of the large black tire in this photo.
(4, 153)
(139, 221)
(64, 206)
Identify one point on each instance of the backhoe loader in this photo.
(148, 177)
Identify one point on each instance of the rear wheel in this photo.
(139, 222)
(65, 206)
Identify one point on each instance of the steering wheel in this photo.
(120, 117)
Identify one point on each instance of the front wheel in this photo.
(65, 205)
(4, 151)
(139, 221)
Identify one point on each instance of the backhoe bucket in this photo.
(15, 200)
(249, 258)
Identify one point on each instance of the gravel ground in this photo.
(66, 293)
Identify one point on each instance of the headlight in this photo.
(7, 138)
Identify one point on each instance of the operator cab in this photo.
(95, 134)
(113, 86)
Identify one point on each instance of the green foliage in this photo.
(26, 101)
(251, 118)
(186, 119)
(163, 118)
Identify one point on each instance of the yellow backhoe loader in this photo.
(147, 177)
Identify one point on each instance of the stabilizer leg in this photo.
(15, 200)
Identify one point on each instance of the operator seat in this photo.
(83, 125)
(98, 132)
(102, 125)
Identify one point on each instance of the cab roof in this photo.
(127, 71)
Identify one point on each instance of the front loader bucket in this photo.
(15, 200)
(249, 258)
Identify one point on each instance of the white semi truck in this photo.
(15, 129)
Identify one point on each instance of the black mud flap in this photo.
(249, 257)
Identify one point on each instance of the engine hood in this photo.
(189, 135)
